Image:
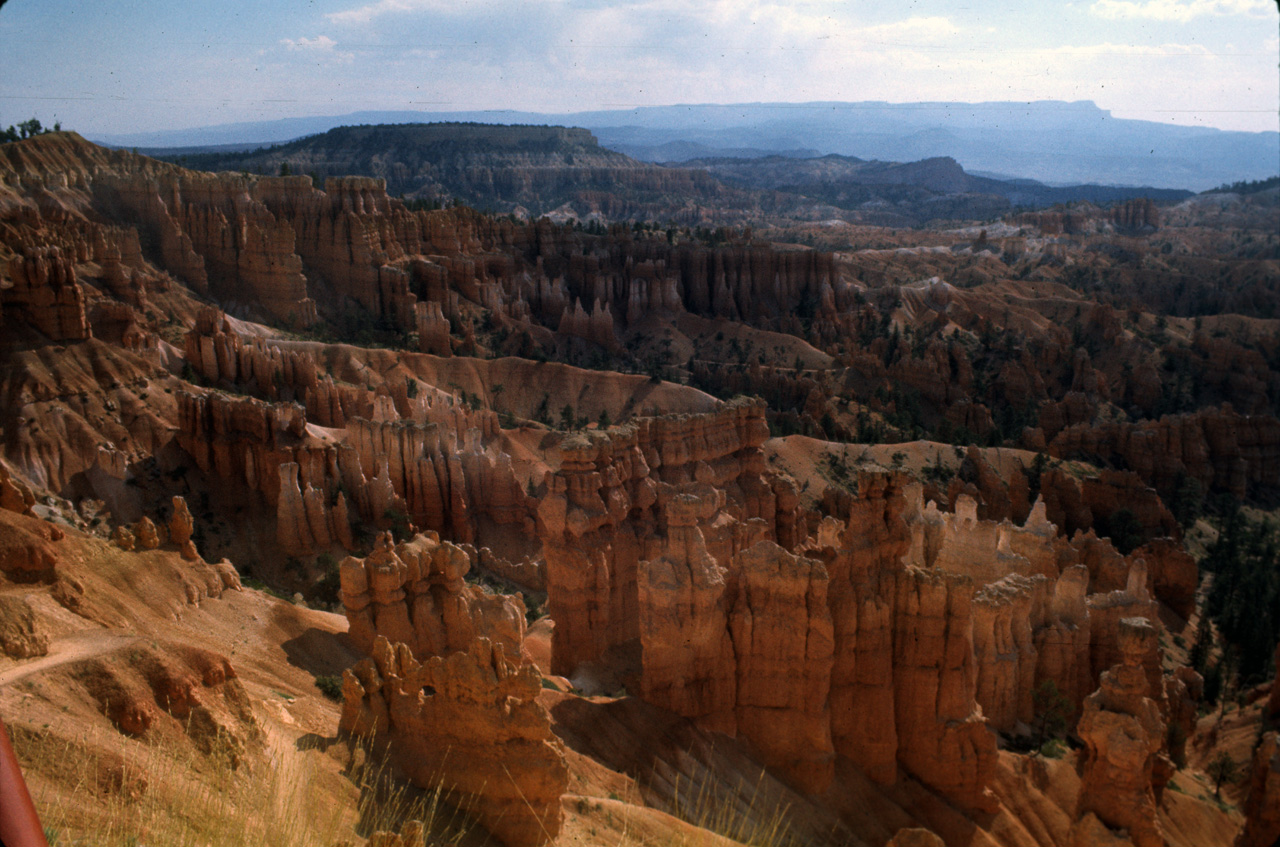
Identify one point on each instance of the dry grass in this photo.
(87, 794)
(743, 814)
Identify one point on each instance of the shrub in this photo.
(330, 686)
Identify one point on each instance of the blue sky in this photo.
(149, 65)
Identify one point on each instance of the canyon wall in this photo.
(907, 634)
(428, 458)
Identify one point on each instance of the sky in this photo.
(120, 67)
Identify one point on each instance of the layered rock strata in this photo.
(435, 470)
(212, 230)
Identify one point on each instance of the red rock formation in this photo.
(605, 509)
(123, 538)
(433, 329)
(20, 637)
(145, 532)
(350, 233)
(1063, 643)
(45, 289)
(250, 441)
(120, 324)
(392, 262)
(439, 474)
(985, 550)
(181, 524)
(414, 593)
(306, 520)
(27, 548)
(861, 557)
(1174, 575)
(1218, 448)
(119, 253)
(915, 838)
(645, 548)
(223, 356)
(1273, 705)
(1138, 214)
(434, 470)
(942, 738)
(1123, 730)
(141, 200)
(1082, 504)
(80, 409)
(469, 723)
(1005, 650)
(15, 495)
(1031, 618)
(527, 573)
(1108, 570)
(687, 650)
(782, 636)
(1107, 613)
(1262, 805)
(1183, 692)
(188, 689)
(248, 253)
(596, 326)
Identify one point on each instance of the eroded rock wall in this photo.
(44, 287)
(606, 511)
(1220, 448)
(211, 230)
(907, 634)
(1124, 733)
(469, 723)
(943, 739)
(435, 467)
(414, 593)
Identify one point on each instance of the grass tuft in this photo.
(743, 814)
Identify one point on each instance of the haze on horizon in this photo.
(150, 65)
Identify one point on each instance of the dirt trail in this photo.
(72, 648)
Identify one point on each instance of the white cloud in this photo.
(366, 13)
(569, 55)
(1177, 10)
(320, 46)
(320, 42)
(911, 32)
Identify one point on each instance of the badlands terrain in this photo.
(328, 517)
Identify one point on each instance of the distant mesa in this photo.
(1054, 142)
(565, 172)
